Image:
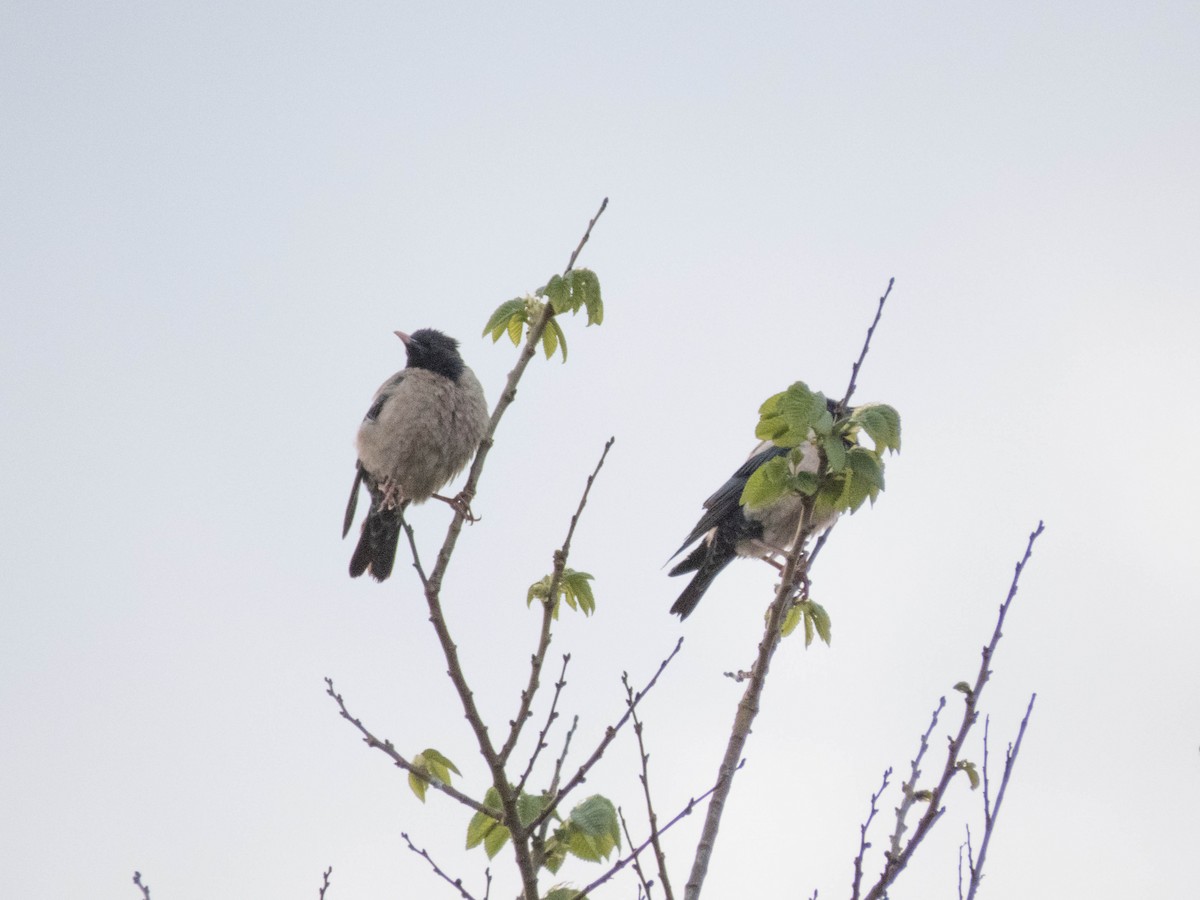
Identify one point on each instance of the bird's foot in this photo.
(392, 497)
(462, 505)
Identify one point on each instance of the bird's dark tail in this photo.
(707, 560)
(376, 550)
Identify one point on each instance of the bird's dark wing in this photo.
(352, 505)
(383, 395)
(726, 501)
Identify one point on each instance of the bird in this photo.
(423, 426)
(728, 530)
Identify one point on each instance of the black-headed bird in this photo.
(423, 427)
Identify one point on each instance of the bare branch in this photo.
(325, 883)
(637, 865)
(550, 718)
(586, 235)
(548, 607)
(908, 790)
(659, 856)
(1010, 759)
(610, 735)
(863, 844)
(456, 883)
(386, 746)
(845, 403)
(898, 859)
(137, 879)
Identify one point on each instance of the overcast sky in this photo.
(214, 215)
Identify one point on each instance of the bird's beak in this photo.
(402, 336)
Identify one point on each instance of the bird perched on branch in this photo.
(728, 530)
(423, 427)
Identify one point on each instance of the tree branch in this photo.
(548, 607)
(456, 883)
(387, 747)
(610, 735)
(863, 844)
(897, 860)
(989, 814)
(659, 856)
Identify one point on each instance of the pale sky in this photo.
(214, 216)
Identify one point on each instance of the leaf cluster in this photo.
(577, 289)
(572, 588)
(434, 767)
(845, 472)
(816, 621)
(590, 832)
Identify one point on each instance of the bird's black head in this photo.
(432, 350)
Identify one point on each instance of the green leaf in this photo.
(516, 327)
(578, 289)
(808, 628)
(790, 620)
(821, 621)
(972, 772)
(486, 829)
(562, 892)
(787, 418)
(501, 319)
(576, 590)
(592, 830)
(864, 478)
(549, 340)
(766, 484)
(835, 452)
(881, 422)
(559, 338)
(924, 796)
(417, 785)
(964, 688)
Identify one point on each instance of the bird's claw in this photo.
(392, 495)
(462, 505)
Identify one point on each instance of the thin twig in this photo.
(659, 856)
(556, 778)
(845, 402)
(325, 883)
(453, 882)
(970, 861)
(637, 864)
(908, 790)
(586, 235)
(610, 734)
(550, 718)
(412, 543)
(137, 879)
(1010, 759)
(549, 604)
(387, 747)
(863, 844)
(897, 860)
